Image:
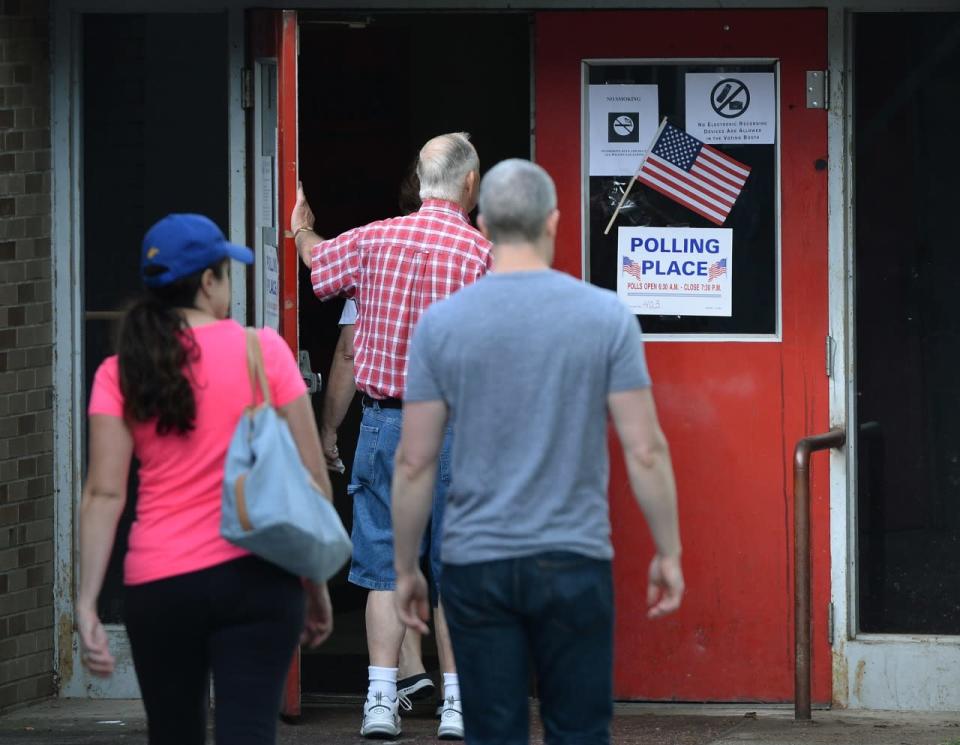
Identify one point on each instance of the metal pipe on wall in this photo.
(801, 567)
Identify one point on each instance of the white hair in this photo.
(444, 164)
(516, 198)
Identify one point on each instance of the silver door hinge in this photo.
(818, 89)
(246, 88)
(830, 349)
(830, 620)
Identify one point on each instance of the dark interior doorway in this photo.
(372, 90)
(908, 325)
(154, 123)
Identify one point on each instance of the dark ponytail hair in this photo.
(155, 348)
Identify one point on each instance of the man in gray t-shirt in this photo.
(527, 363)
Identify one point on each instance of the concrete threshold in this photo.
(336, 720)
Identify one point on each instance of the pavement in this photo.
(336, 721)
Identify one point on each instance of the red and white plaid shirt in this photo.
(395, 269)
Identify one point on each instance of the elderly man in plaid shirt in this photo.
(395, 269)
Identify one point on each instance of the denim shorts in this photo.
(370, 483)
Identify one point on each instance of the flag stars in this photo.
(677, 147)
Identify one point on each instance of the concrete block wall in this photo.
(26, 356)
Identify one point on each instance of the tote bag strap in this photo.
(255, 367)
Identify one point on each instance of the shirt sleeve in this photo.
(283, 375)
(106, 396)
(349, 315)
(422, 381)
(335, 265)
(628, 363)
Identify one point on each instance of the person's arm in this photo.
(104, 497)
(318, 624)
(414, 474)
(301, 225)
(650, 471)
(334, 264)
(341, 389)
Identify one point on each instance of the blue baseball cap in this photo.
(182, 244)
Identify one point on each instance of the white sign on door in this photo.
(267, 191)
(271, 287)
(623, 120)
(736, 108)
(676, 271)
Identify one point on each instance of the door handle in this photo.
(311, 378)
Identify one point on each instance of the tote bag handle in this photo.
(255, 367)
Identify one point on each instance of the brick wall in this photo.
(26, 354)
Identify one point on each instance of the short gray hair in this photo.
(444, 164)
(516, 198)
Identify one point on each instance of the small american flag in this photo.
(694, 174)
(716, 269)
(632, 268)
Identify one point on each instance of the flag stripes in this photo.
(694, 174)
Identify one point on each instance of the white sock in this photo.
(382, 680)
(451, 685)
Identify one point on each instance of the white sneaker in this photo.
(451, 719)
(381, 716)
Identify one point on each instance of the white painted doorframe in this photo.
(870, 671)
(69, 396)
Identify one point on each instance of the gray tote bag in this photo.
(271, 505)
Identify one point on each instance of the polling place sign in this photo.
(676, 271)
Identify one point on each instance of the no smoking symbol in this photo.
(623, 126)
(730, 98)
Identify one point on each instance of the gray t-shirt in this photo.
(525, 362)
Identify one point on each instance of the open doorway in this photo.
(372, 90)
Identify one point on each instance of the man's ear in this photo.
(472, 183)
(551, 224)
(482, 225)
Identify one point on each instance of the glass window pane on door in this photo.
(618, 129)
(154, 142)
(906, 110)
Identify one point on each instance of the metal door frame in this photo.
(871, 671)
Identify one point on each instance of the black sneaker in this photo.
(416, 687)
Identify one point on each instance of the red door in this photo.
(273, 41)
(732, 410)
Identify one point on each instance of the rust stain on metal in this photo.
(65, 638)
(858, 679)
(841, 684)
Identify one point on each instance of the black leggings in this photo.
(241, 620)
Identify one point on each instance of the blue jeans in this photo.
(370, 484)
(554, 609)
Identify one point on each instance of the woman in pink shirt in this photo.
(194, 604)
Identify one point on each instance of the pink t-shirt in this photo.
(177, 526)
